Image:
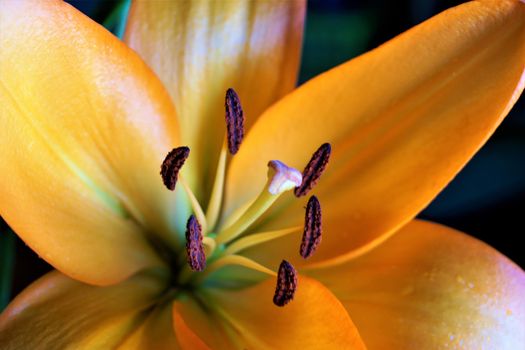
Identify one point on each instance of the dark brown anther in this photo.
(312, 228)
(234, 121)
(194, 248)
(171, 165)
(286, 284)
(313, 170)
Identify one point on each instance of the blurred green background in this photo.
(485, 200)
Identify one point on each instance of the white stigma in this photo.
(282, 177)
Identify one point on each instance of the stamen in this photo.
(313, 170)
(214, 205)
(312, 228)
(197, 209)
(258, 238)
(194, 247)
(281, 178)
(286, 284)
(238, 260)
(234, 121)
(171, 165)
(209, 245)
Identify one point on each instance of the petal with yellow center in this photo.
(58, 312)
(402, 120)
(315, 319)
(199, 49)
(431, 287)
(84, 128)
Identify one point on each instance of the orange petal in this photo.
(431, 287)
(156, 332)
(403, 119)
(188, 313)
(315, 319)
(57, 312)
(201, 48)
(84, 128)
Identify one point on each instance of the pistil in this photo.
(281, 178)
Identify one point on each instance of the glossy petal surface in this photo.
(57, 312)
(201, 48)
(431, 287)
(84, 126)
(315, 319)
(402, 119)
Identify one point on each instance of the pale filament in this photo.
(214, 205)
(197, 209)
(237, 260)
(259, 238)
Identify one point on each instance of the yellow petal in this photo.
(402, 119)
(315, 319)
(201, 48)
(84, 128)
(156, 332)
(431, 287)
(57, 312)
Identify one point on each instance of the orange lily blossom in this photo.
(85, 125)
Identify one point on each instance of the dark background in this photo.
(485, 200)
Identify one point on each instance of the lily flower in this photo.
(231, 259)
